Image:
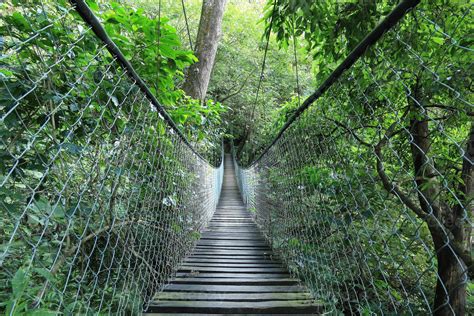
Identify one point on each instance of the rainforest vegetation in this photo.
(367, 196)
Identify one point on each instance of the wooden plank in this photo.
(231, 235)
(234, 288)
(233, 243)
(229, 260)
(231, 275)
(229, 244)
(214, 256)
(237, 237)
(231, 249)
(232, 220)
(232, 252)
(240, 281)
(231, 265)
(234, 248)
(224, 256)
(241, 230)
(236, 307)
(229, 254)
(246, 314)
(234, 233)
(237, 231)
(197, 296)
(228, 224)
(230, 270)
(231, 216)
(239, 222)
(236, 245)
(233, 229)
(232, 206)
(232, 238)
(247, 224)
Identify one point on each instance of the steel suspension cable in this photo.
(267, 43)
(296, 61)
(187, 25)
(252, 114)
(158, 53)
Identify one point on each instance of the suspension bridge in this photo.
(232, 268)
(361, 204)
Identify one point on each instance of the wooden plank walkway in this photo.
(232, 270)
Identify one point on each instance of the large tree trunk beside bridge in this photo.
(450, 295)
(210, 25)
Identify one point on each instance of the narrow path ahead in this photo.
(231, 270)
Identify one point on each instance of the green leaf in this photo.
(438, 40)
(45, 273)
(20, 21)
(5, 72)
(19, 282)
(93, 5)
(42, 312)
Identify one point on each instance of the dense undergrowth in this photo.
(367, 192)
(93, 180)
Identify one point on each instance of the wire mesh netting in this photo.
(100, 197)
(367, 196)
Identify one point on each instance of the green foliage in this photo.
(88, 167)
(470, 298)
(152, 46)
(236, 74)
(155, 50)
(329, 28)
(327, 186)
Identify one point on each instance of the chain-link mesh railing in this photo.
(367, 195)
(100, 195)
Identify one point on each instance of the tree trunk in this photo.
(450, 297)
(467, 187)
(209, 32)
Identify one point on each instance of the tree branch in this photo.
(429, 218)
(362, 142)
(68, 252)
(221, 100)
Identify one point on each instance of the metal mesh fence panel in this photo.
(100, 197)
(367, 196)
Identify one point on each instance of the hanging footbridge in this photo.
(232, 269)
(362, 204)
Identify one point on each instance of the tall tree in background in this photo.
(209, 32)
